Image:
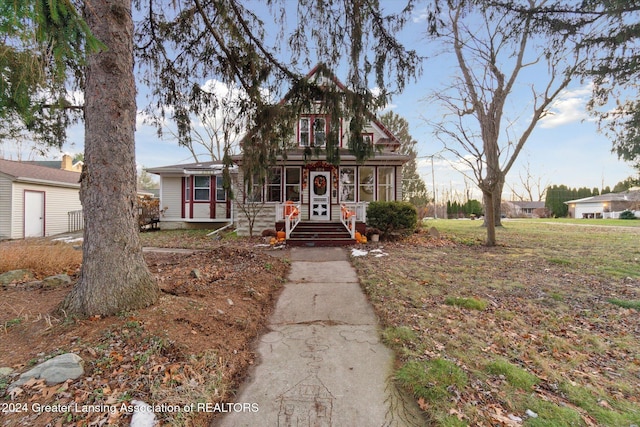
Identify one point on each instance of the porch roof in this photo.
(199, 168)
(297, 156)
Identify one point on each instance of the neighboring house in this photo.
(192, 195)
(299, 183)
(522, 209)
(66, 164)
(36, 201)
(608, 205)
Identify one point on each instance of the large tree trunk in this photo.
(114, 275)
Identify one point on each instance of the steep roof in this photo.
(321, 70)
(24, 172)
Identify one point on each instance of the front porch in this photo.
(309, 232)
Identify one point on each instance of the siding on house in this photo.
(59, 201)
(5, 207)
(61, 195)
(265, 220)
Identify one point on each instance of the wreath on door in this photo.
(320, 185)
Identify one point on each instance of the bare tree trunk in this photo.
(114, 275)
(489, 218)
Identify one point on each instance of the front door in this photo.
(320, 196)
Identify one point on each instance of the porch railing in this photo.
(291, 215)
(359, 209)
(348, 219)
(75, 221)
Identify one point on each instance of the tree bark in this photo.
(489, 218)
(114, 275)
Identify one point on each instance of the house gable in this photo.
(316, 123)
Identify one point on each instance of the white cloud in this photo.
(569, 107)
(420, 15)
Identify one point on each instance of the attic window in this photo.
(312, 131)
(304, 132)
(367, 138)
(319, 132)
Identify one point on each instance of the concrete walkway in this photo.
(322, 363)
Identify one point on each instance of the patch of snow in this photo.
(143, 415)
(358, 252)
(379, 253)
(68, 239)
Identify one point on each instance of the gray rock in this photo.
(195, 273)
(54, 371)
(57, 280)
(434, 233)
(14, 276)
(5, 371)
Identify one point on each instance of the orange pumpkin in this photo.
(281, 235)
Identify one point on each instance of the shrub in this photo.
(392, 218)
(627, 215)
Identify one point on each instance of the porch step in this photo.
(320, 234)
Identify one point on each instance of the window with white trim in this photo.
(221, 192)
(304, 132)
(386, 183)
(347, 184)
(187, 188)
(274, 185)
(292, 184)
(201, 188)
(313, 131)
(366, 182)
(319, 132)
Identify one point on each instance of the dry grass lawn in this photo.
(543, 330)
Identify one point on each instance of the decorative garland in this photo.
(320, 165)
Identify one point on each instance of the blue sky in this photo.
(565, 148)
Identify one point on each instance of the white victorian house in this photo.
(300, 190)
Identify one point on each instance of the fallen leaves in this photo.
(159, 354)
(554, 323)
